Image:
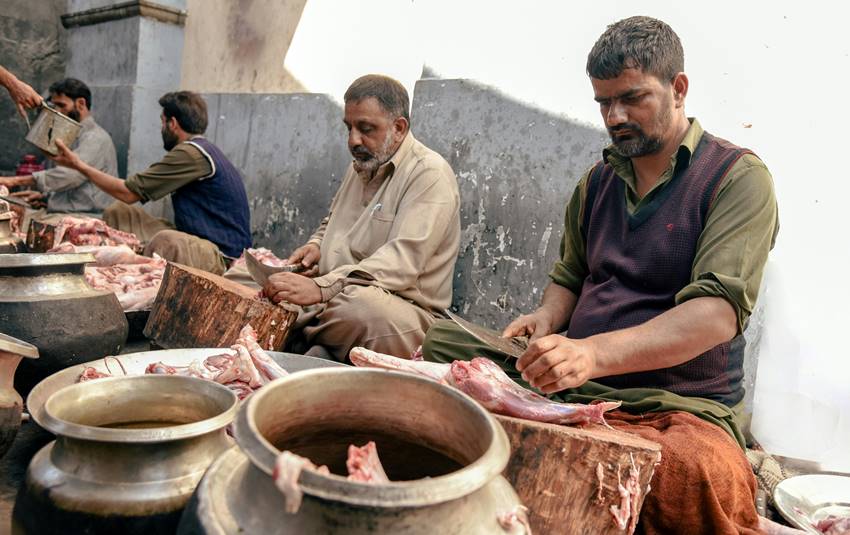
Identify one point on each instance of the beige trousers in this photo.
(161, 238)
(365, 316)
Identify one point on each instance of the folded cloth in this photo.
(703, 484)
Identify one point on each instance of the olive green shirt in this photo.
(181, 165)
(740, 229)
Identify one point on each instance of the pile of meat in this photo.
(363, 465)
(487, 383)
(90, 231)
(135, 279)
(243, 369)
(834, 525)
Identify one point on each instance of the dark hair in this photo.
(73, 89)
(188, 108)
(637, 43)
(390, 93)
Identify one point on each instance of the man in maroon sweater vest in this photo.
(663, 251)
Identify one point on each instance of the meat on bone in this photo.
(487, 383)
(364, 465)
(91, 231)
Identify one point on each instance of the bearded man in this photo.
(379, 267)
(60, 190)
(664, 246)
(211, 215)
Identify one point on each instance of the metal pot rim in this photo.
(65, 428)
(417, 493)
(45, 259)
(18, 347)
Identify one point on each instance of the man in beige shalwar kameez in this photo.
(381, 263)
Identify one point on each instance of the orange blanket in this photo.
(704, 483)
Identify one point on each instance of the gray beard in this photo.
(641, 145)
(380, 157)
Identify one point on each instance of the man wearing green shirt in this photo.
(662, 255)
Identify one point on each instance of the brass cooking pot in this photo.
(12, 351)
(128, 454)
(46, 301)
(442, 451)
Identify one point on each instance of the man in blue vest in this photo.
(664, 246)
(211, 214)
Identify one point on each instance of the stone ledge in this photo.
(124, 10)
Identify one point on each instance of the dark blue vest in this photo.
(216, 207)
(638, 263)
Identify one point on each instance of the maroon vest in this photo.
(637, 263)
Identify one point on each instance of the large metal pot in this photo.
(9, 243)
(45, 300)
(12, 351)
(128, 454)
(442, 451)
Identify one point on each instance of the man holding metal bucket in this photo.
(62, 190)
(211, 215)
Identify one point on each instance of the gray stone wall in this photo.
(291, 150)
(516, 167)
(32, 46)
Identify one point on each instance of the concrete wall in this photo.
(291, 150)
(238, 46)
(32, 46)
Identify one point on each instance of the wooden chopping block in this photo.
(198, 309)
(40, 236)
(554, 471)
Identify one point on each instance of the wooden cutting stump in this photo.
(555, 470)
(40, 237)
(198, 309)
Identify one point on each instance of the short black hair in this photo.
(73, 89)
(189, 108)
(641, 43)
(389, 92)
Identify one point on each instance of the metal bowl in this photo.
(807, 499)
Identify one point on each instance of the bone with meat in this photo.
(90, 231)
(488, 384)
(262, 254)
(104, 255)
(364, 465)
(135, 284)
(834, 525)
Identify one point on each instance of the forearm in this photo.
(7, 78)
(670, 339)
(15, 181)
(108, 183)
(557, 305)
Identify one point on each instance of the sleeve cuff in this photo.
(709, 285)
(132, 184)
(562, 276)
(330, 285)
(39, 178)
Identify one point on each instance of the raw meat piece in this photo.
(834, 525)
(138, 300)
(243, 369)
(515, 522)
(626, 514)
(104, 255)
(270, 368)
(287, 470)
(90, 373)
(90, 231)
(135, 284)
(264, 256)
(366, 358)
(364, 465)
(488, 384)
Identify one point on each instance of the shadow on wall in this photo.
(516, 167)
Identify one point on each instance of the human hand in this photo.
(66, 156)
(23, 95)
(292, 288)
(554, 363)
(308, 256)
(534, 325)
(34, 198)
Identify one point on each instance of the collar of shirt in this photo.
(680, 160)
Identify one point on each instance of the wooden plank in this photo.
(555, 470)
(198, 309)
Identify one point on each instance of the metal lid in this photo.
(18, 347)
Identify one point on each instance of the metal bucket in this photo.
(51, 125)
(128, 454)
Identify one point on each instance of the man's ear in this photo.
(400, 126)
(680, 89)
(80, 103)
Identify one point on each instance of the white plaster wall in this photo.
(767, 75)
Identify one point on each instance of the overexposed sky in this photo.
(780, 67)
